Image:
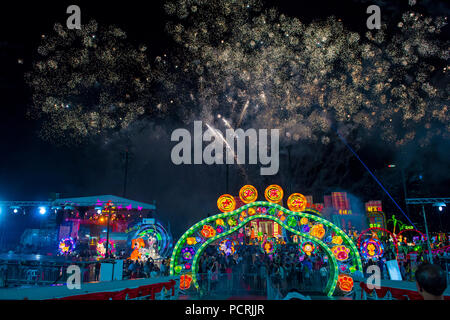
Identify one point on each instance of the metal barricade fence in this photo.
(23, 273)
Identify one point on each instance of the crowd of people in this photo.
(249, 268)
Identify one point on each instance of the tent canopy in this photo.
(100, 201)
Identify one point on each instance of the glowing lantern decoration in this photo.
(307, 247)
(337, 240)
(219, 222)
(226, 203)
(191, 241)
(185, 282)
(268, 247)
(345, 282)
(248, 194)
(188, 253)
(187, 266)
(101, 247)
(296, 202)
(251, 211)
(273, 193)
(305, 228)
(372, 249)
(208, 231)
(281, 216)
(219, 229)
(341, 252)
(243, 215)
(317, 231)
(292, 222)
(232, 222)
(66, 245)
(304, 220)
(178, 269)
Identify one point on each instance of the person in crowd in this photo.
(431, 281)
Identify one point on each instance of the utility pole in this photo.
(435, 202)
(430, 255)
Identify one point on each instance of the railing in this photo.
(38, 274)
(241, 285)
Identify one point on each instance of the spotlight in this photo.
(15, 209)
(42, 210)
(439, 205)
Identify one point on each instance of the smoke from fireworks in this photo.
(256, 67)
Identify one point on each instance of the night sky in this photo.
(30, 168)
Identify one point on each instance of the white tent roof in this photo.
(100, 201)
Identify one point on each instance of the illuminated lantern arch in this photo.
(394, 238)
(424, 237)
(267, 211)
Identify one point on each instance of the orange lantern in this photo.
(345, 282)
(226, 203)
(273, 193)
(191, 241)
(185, 281)
(317, 231)
(296, 202)
(248, 193)
(208, 231)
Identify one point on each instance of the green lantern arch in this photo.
(343, 255)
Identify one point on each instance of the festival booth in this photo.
(82, 223)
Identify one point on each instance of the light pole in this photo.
(435, 202)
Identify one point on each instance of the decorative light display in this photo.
(227, 247)
(66, 246)
(268, 247)
(157, 241)
(337, 240)
(232, 222)
(191, 241)
(136, 245)
(317, 231)
(101, 247)
(307, 247)
(281, 215)
(345, 282)
(248, 194)
(208, 231)
(374, 235)
(341, 252)
(312, 228)
(185, 281)
(292, 222)
(188, 253)
(219, 229)
(226, 203)
(372, 249)
(296, 202)
(273, 193)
